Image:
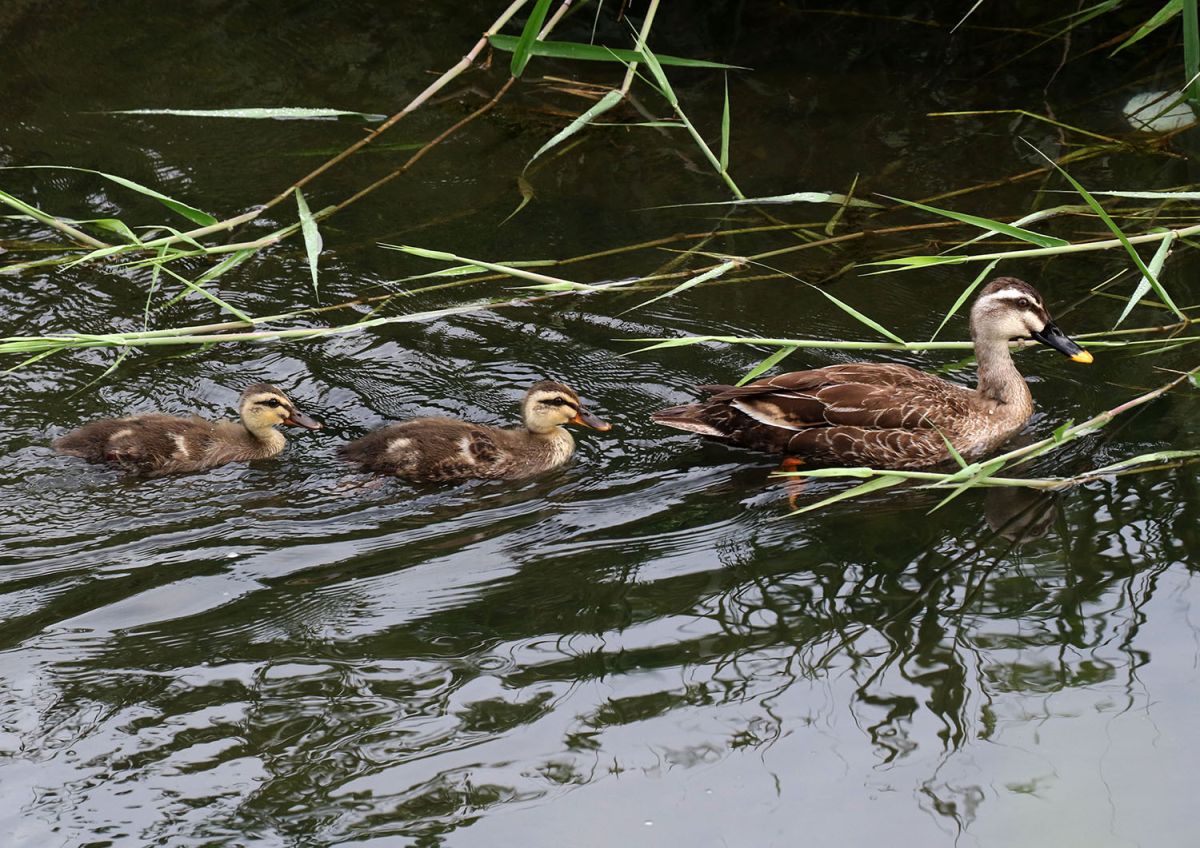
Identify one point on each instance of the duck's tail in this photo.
(690, 417)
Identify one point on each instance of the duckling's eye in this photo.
(273, 403)
(554, 401)
(1024, 303)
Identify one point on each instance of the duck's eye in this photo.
(1024, 303)
(554, 401)
(273, 403)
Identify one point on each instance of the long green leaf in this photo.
(113, 225)
(524, 47)
(866, 488)
(1143, 286)
(988, 224)
(966, 293)
(858, 316)
(312, 238)
(1191, 49)
(190, 212)
(767, 364)
(608, 101)
(597, 53)
(711, 274)
(1166, 13)
(232, 310)
(1121, 237)
(725, 128)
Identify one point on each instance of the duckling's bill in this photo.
(588, 420)
(297, 419)
(1052, 336)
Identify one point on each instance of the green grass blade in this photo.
(866, 488)
(1144, 459)
(767, 364)
(232, 310)
(524, 47)
(966, 293)
(1116, 230)
(1162, 16)
(608, 101)
(660, 77)
(113, 225)
(711, 274)
(988, 224)
(46, 218)
(1191, 49)
(312, 238)
(511, 270)
(598, 53)
(858, 316)
(976, 479)
(724, 157)
(1143, 286)
(193, 214)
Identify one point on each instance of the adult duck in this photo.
(885, 415)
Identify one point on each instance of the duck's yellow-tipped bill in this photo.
(1083, 356)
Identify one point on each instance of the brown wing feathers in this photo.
(859, 413)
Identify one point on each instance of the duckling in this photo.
(884, 415)
(439, 450)
(155, 444)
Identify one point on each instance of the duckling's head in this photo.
(262, 406)
(1008, 308)
(548, 405)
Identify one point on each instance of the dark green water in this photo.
(639, 649)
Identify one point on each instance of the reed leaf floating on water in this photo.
(276, 113)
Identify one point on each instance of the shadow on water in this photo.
(641, 648)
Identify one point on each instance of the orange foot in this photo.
(795, 485)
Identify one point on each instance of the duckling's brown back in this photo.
(429, 450)
(145, 443)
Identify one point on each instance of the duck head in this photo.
(262, 406)
(548, 405)
(1008, 308)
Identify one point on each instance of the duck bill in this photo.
(1053, 337)
(588, 420)
(297, 419)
